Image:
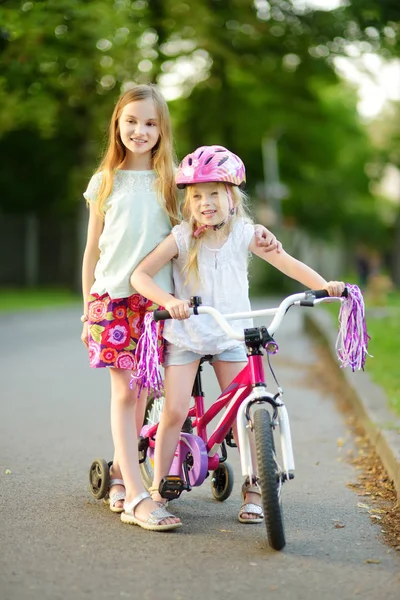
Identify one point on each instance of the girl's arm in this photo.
(297, 270)
(90, 258)
(142, 279)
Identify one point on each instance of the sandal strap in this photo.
(251, 487)
(158, 515)
(114, 498)
(153, 489)
(130, 506)
(250, 508)
(116, 482)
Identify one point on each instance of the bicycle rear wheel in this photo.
(270, 479)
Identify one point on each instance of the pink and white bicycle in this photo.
(256, 410)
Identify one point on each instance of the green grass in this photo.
(12, 300)
(383, 326)
(384, 347)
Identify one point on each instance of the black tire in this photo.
(270, 482)
(99, 478)
(222, 482)
(152, 416)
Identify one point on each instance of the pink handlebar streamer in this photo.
(352, 340)
(147, 371)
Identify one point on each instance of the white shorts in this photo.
(175, 356)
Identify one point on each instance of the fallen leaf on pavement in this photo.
(225, 531)
(372, 561)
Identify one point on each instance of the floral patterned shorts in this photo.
(114, 327)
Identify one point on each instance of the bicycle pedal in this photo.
(171, 487)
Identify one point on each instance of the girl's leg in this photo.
(125, 409)
(115, 470)
(226, 372)
(178, 390)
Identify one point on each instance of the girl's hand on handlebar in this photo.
(178, 309)
(335, 288)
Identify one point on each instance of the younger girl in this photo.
(133, 204)
(209, 253)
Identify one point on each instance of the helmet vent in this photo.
(221, 162)
(208, 160)
(190, 161)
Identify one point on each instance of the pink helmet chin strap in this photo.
(231, 212)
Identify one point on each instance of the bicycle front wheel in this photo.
(270, 479)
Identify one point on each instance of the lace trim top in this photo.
(135, 223)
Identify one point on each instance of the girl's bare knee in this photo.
(174, 417)
(125, 400)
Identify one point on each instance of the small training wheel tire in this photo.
(222, 482)
(99, 478)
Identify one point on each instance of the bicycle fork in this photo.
(260, 397)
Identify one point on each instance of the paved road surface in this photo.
(58, 543)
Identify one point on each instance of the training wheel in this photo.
(222, 482)
(99, 478)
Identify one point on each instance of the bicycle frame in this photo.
(246, 389)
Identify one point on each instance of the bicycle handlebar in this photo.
(308, 298)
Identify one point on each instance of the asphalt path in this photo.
(57, 542)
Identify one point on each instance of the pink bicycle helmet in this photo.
(211, 163)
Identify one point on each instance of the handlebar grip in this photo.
(319, 293)
(324, 293)
(161, 315)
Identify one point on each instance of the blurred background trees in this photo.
(258, 76)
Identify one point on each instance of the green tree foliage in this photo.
(271, 74)
(62, 64)
(245, 70)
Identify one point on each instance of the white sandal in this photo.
(152, 523)
(250, 507)
(116, 497)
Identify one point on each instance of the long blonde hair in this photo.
(163, 156)
(239, 200)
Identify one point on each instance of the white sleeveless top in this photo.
(135, 223)
(223, 284)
